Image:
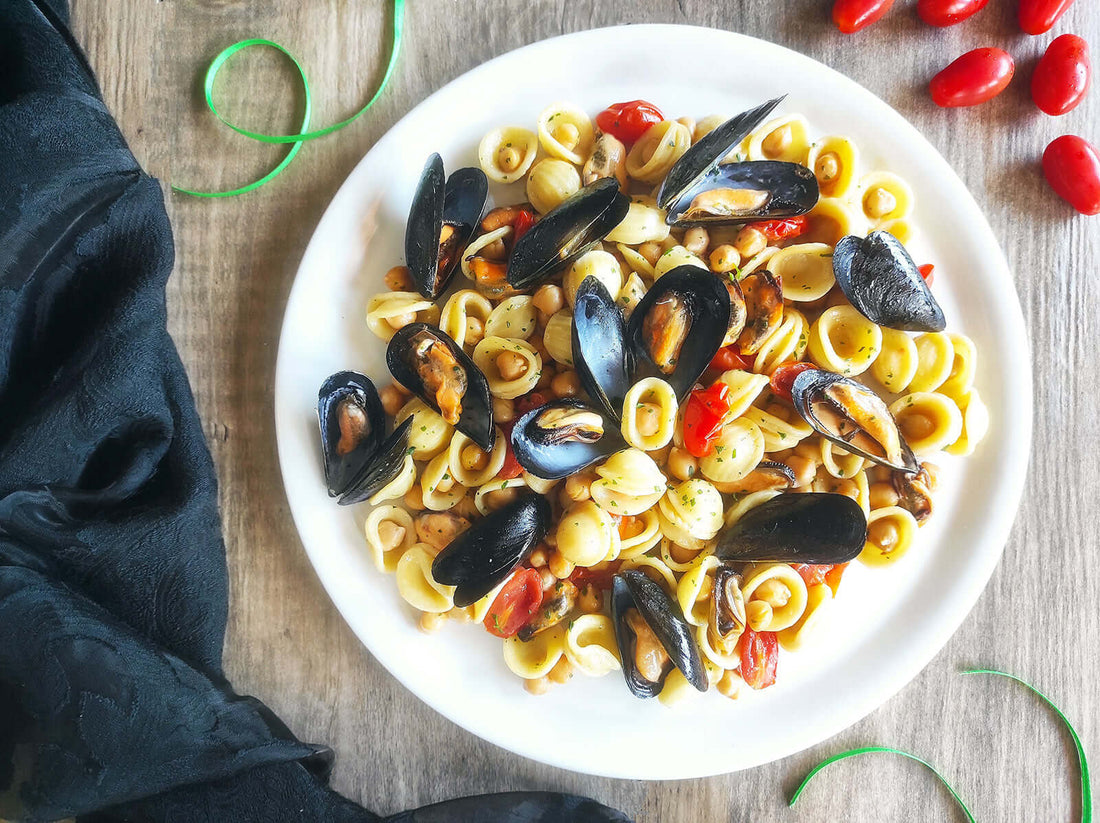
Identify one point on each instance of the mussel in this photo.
(358, 457)
(557, 604)
(652, 635)
(566, 232)
(678, 327)
(914, 492)
(880, 279)
(768, 475)
(816, 527)
(763, 296)
(442, 219)
(603, 360)
(728, 618)
(852, 416)
(564, 437)
(485, 554)
(432, 366)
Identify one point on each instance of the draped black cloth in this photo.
(113, 705)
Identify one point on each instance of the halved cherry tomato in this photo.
(1062, 75)
(1037, 16)
(511, 467)
(531, 400)
(600, 578)
(926, 273)
(1072, 167)
(977, 76)
(759, 658)
(832, 577)
(813, 574)
(522, 224)
(703, 418)
(782, 229)
(948, 12)
(729, 357)
(783, 377)
(628, 121)
(852, 15)
(515, 604)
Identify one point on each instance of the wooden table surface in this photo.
(236, 259)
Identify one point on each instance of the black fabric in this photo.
(113, 706)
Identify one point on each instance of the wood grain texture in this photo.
(235, 262)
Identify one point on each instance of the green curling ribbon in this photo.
(303, 134)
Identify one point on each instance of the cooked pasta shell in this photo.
(505, 154)
(844, 341)
(833, 160)
(929, 421)
(656, 151)
(784, 138)
(566, 132)
(805, 271)
(550, 182)
(884, 197)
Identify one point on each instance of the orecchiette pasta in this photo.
(747, 504)
(636, 261)
(649, 414)
(975, 418)
(929, 421)
(416, 585)
(890, 533)
(631, 294)
(775, 597)
(478, 244)
(506, 154)
(512, 367)
(679, 558)
(694, 592)
(737, 451)
(460, 308)
(885, 196)
(513, 318)
(429, 433)
(844, 341)
(389, 311)
(482, 497)
(654, 568)
(389, 532)
(638, 534)
(785, 138)
(657, 150)
(778, 434)
(629, 483)
(964, 360)
(691, 513)
(550, 181)
(805, 270)
(935, 359)
(471, 466)
(590, 645)
(838, 462)
(587, 535)
(399, 486)
(438, 486)
(644, 223)
(597, 263)
(558, 337)
(897, 361)
(833, 160)
(818, 600)
(744, 388)
(566, 132)
(830, 221)
(674, 257)
(535, 658)
(785, 344)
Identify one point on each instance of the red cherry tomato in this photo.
(832, 577)
(852, 15)
(517, 601)
(729, 357)
(813, 574)
(628, 121)
(782, 229)
(1072, 167)
(1062, 75)
(759, 658)
(703, 418)
(522, 224)
(977, 76)
(783, 378)
(926, 273)
(531, 400)
(600, 578)
(1037, 16)
(948, 12)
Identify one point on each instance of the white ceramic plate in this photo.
(888, 623)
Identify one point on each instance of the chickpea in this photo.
(883, 534)
(475, 330)
(431, 622)
(511, 365)
(399, 321)
(392, 399)
(500, 217)
(551, 540)
(508, 158)
(590, 600)
(564, 500)
(538, 685)
(566, 384)
(724, 259)
(538, 557)
(499, 497)
(651, 252)
(777, 142)
(681, 554)
(696, 240)
(546, 579)
(750, 242)
(846, 487)
(414, 499)
(827, 167)
(504, 411)
(560, 567)
(399, 279)
(578, 486)
(682, 463)
(562, 671)
(473, 458)
(774, 592)
(879, 202)
(878, 474)
(882, 495)
(729, 685)
(466, 507)
(809, 447)
(759, 615)
(648, 418)
(548, 299)
(804, 468)
(778, 410)
(669, 243)
(391, 535)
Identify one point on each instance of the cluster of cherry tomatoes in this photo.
(1071, 164)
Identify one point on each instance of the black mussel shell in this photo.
(702, 158)
(600, 353)
(763, 296)
(346, 454)
(485, 554)
(566, 232)
(815, 527)
(476, 417)
(632, 589)
(740, 192)
(859, 421)
(880, 279)
(383, 467)
(583, 436)
(456, 202)
(705, 299)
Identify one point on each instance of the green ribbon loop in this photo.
(303, 135)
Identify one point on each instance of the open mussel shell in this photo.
(703, 158)
(564, 437)
(600, 353)
(419, 352)
(678, 327)
(443, 216)
(634, 590)
(852, 416)
(740, 192)
(382, 468)
(566, 232)
(879, 278)
(816, 527)
(481, 557)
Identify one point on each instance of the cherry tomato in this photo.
(600, 578)
(517, 601)
(782, 229)
(1062, 75)
(759, 657)
(1037, 16)
(522, 224)
(511, 467)
(977, 76)
(1072, 167)
(729, 357)
(832, 577)
(813, 574)
(783, 377)
(628, 121)
(948, 12)
(531, 400)
(926, 273)
(852, 15)
(703, 418)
